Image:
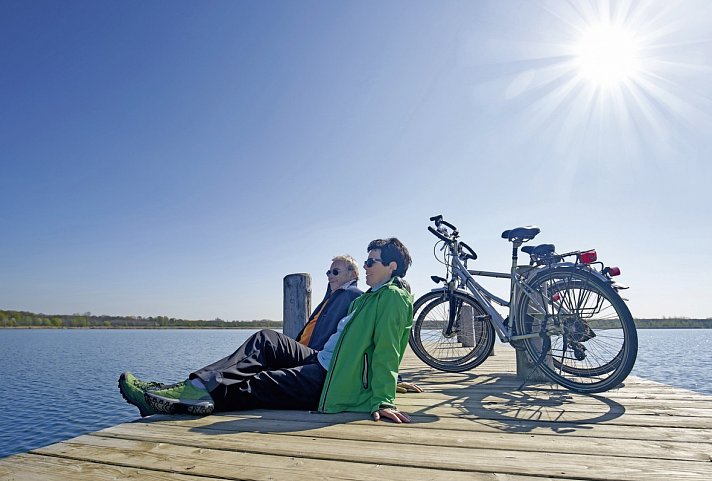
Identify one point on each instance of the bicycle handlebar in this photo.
(471, 254)
(438, 234)
(438, 219)
(468, 251)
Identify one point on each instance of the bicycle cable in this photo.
(444, 260)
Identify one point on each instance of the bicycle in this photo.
(565, 312)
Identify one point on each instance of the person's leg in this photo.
(264, 350)
(286, 388)
(133, 390)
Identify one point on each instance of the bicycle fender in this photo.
(571, 265)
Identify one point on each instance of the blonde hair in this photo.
(350, 262)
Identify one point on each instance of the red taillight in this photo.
(588, 257)
(614, 271)
(556, 297)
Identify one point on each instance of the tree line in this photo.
(674, 323)
(86, 320)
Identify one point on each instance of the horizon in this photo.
(177, 159)
(116, 316)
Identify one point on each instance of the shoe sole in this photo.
(175, 406)
(127, 397)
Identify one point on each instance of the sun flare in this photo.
(607, 54)
(604, 77)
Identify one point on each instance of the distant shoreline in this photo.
(24, 319)
(145, 328)
(239, 328)
(29, 320)
(640, 324)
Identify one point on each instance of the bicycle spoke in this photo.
(451, 333)
(585, 330)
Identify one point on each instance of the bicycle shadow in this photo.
(495, 400)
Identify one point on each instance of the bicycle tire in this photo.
(466, 347)
(586, 337)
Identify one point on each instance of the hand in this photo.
(403, 387)
(393, 414)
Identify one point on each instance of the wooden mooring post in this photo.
(297, 303)
(526, 369)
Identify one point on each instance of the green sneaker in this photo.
(133, 389)
(183, 398)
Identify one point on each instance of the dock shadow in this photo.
(497, 401)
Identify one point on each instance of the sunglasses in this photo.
(334, 272)
(371, 261)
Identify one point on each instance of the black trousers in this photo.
(270, 370)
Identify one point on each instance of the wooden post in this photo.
(466, 334)
(469, 333)
(526, 368)
(297, 303)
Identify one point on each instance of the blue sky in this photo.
(179, 158)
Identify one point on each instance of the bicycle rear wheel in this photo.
(583, 335)
(451, 331)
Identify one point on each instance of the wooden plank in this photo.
(507, 382)
(271, 420)
(554, 403)
(386, 434)
(225, 463)
(631, 395)
(33, 467)
(535, 415)
(501, 368)
(473, 410)
(498, 460)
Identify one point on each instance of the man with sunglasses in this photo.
(341, 291)
(355, 371)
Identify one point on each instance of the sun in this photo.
(607, 54)
(610, 79)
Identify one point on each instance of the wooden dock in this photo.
(469, 426)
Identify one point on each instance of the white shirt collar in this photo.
(347, 284)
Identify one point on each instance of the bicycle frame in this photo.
(461, 276)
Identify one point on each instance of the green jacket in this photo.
(364, 368)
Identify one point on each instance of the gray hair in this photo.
(350, 262)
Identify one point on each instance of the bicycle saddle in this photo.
(522, 234)
(542, 250)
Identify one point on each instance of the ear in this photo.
(393, 265)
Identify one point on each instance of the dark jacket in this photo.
(337, 306)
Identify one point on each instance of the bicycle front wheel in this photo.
(451, 331)
(580, 332)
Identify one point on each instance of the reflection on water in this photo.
(58, 384)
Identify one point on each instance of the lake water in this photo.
(57, 384)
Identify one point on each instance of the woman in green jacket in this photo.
(356, 370)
